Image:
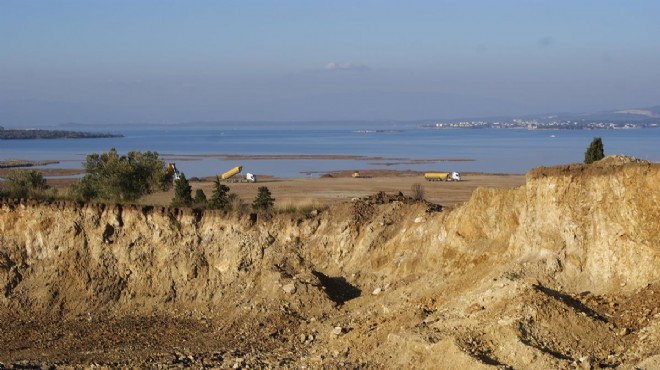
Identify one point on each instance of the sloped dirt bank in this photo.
(562, 272)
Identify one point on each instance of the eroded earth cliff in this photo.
(563, 272)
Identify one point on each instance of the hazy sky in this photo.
(95, 61)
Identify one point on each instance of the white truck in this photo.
(442, 176)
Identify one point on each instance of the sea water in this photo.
(395, 145)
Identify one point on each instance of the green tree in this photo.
(200, 197)
(264, 200)
(220, 197)
(595, 151)
(110, 176)
(182, 192)
(24, 183)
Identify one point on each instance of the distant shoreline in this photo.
(22, 134)
(397, 160)
(19, 163)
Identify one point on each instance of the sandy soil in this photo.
(322, 189)
(561, 273)
(326, 189)
(342, 187)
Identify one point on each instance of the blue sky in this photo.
(174, 61)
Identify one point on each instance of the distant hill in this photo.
(652, 112)
(628, 114)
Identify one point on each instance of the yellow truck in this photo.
(230, 176)
(442, 176)
(231, 172)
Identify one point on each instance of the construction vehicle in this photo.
(231, 175)
(442, 176)
(358, 175)
(232, 172)
(173, 171)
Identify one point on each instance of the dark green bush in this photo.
(595, 151)
(112, 177)
(200, 198)
(220, 197)
(264, 200)
(182, 192)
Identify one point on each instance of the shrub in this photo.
(595, 151)
(264, 200)
(200, 197)
(182, 192)
(235, 202)
(219, 198)
(110, 176)
(417, 191)
(24, 184)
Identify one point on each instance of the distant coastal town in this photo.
(544, 124)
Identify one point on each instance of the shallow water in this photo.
(489, 150)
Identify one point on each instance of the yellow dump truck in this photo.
(230, 176)
(231, 172)
(442, 176)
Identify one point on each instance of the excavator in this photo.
(173, 171)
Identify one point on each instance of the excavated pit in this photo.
(337, 288)
(563, 272)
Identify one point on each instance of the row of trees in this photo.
(221, 198)
(125, 178)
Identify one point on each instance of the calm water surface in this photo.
(491, 150)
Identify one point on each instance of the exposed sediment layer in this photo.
(560, 272)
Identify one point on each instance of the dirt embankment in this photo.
(562, 272)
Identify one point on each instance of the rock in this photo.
(475, 307)
(338, 330)
(376, 291)
(289, 288)
(314, 213)
(585, 363)
(420, 219)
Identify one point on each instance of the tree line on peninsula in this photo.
(27, 134)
